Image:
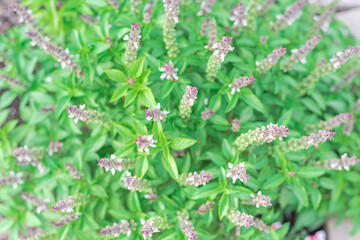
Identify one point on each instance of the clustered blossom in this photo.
(195, 178)
(235, 125)
(135, 6)
(212, 34)
(130, 81)
(205, 7)
(260, 200)
(67, 204)
(344, 163)
(264, 39)
(114, 3)
(305, 142)
(308, 83)
(125, 227)
(186, 226)
(147, 12)
(292, 13)
(271, 60)
(334, 122)
(348, 78)
(322, 21)
(151, 195)
(144, 142)
(25, 14)
(88, 19)
(62, 56)
(40, 204)
(156, 114)
(208, 206)
(237, 172)
(238, 16)
(204, 26)
(55, 147)
(187, 101)
(48, 109)
(171, 18)
(114, 164)
(152, 225)
(259, 224)
(25, 156)
(342, 57)
(260, 136)
(10, 80)
(206, 115)
(13, 179)
(133, 43)
(73, 171)
(85, 115)
(218, 56)
(240, 219)
(264, 8)
(301, 53)
(169, 72)
(135, 184)
(241, 82)
(66, 219)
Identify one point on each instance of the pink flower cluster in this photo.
(40, 204)
(344, 163)
(134, 183)
(240, 219)
(260, 200)
(237, 172)
(144, 142)
(195, 178)
(114, 164)
(169, 72)
(125, 227)
(241, 82)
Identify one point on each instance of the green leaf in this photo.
(31, 220)
(253, 101)
(116, 75)
(170, 164)
(222, 177)
(100, 47)
(153, 62)
(6, 224)
(137, 67)
(181, 143)
(207, 191)
(315, 197)
(62, 104)
(223, 206)
(232, 104)
(285, 117)
(141, 166)
(146, 98)
(217, 159)
(119, 92)
(134, 202)
(130, 97)
(310, 172)
(311, 105)
(3, 115)
(98, 191)
(273, 182)
(6, 99)
(215, 103)
(301, 195)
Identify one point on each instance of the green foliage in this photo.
(297, 185)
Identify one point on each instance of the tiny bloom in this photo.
(187, 101)
(73, 171)
(208, 206)
(212, 34)
(66, 219)
(13, 179)
(260, 200)
(125, 227)
(205, 7)
(206, 115)
(237, 172)
(151, 195)
(195, 178)
(115, 164)
(147, 12)
(204, 26)
(241, 82)
(319, 235)
(144, 142)
(271, 60)
(134, 183)
(170, 19)
(186, 226)
(344, 163)
(276, 225)
(133, 43)
(55, 147)
(240, 219)
(156, 114)
(342, 57)
(149, 227)
(40, 204)
(235, 125)
(238, 15)
(169, 72)
(67, 204)
(130, 81)
(259, 224)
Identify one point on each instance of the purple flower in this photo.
(144, 142)
(237, 172)
(322, 21)
(206, 115)
(55, 147)
(205, 7)
(259, 224)
(342, 57)
(135, 184)
(133, 43)
(212, 37)
(40, 204)
(115, 4)
(169, 72)
(292, 13)
(195, 178)
(240, 219)
(204, 26)
(260, 200)
(151, 195)
(187, 101)
(208, 206)
(66, 219)
(25, 14)
(125, 227)
(235, 125)
(186, 226)
(334, 122)
(73, 171)
(238, 15)
(67, 204)
(241, 82)
(149, 227)
(345, 162)
(85, 115)
(13, 179)
(115, 164)
(156, 114)
(147, 12)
